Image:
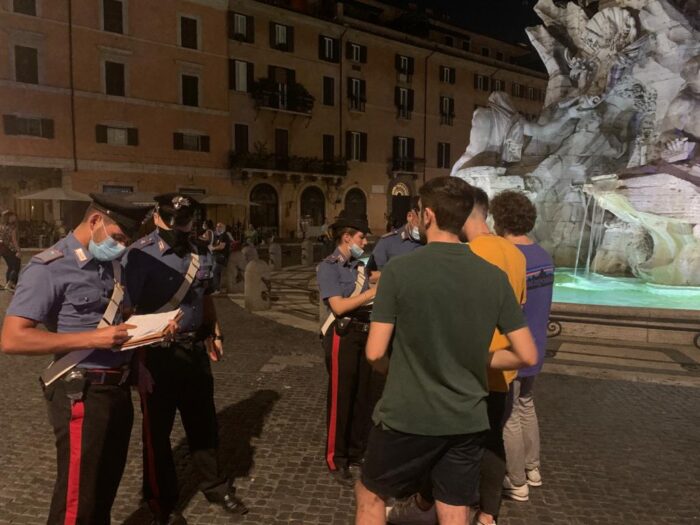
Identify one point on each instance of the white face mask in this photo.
(356, 251)
(415, 233)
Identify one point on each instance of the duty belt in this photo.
(96, 376)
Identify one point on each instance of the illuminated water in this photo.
(621, 291)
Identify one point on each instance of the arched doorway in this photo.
(313, 206)
(356, 203)
(264, 210)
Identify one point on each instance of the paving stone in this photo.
(613, 451)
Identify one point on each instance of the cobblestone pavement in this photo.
(614, 451)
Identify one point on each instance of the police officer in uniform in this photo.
(166, 270)
(398, 241)
(353, 386)
(75, 290)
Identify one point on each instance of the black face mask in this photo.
(178, 240)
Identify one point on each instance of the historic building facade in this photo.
(280, 116)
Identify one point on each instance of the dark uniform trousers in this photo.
(92, 440)
(182, 381)
(353, 390)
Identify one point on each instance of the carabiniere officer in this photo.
(398, 241)
(166, 270)
(353, 387)
(74, 290)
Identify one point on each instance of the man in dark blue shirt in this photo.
(166, 270)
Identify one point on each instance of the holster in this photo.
(342, 325)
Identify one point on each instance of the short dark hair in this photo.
(481, 199)
(91, 209)
(513, 213)
(451, 200)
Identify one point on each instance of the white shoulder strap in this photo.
(359, 284)
(72, 359)
(179, 295)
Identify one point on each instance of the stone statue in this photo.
(623, 94)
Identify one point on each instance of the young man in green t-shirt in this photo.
(431, 419)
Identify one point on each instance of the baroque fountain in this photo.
(613, 161)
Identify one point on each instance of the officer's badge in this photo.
(180, 201)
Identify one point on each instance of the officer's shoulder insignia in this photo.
(145, 241)
(48, 256)
(332, 259)
(389, 234)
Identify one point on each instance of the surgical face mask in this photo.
(108, 249)
(415, 233)
(356, 251)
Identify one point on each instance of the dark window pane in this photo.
(241, 138)
(114, 78)
(328, 147)
(188, 32)
(26, 7)
(328, 91)
(112, 16)
(190, 90)
(26, 65)
(281, 143)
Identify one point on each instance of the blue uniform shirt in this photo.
(67, 290)
(154, 273)
(336, 276)
(397, 242)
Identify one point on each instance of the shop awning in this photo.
(56, 194)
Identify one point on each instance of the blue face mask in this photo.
(356, 251)
(107, 250)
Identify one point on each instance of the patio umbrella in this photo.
(57, 194)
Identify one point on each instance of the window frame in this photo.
(36, 12)
(356, 52)
(114, 60)
(15, 62)
(46, 131)
(198, 28)
(125, 18)
(236, 18)
(196, 75)
(278, 43)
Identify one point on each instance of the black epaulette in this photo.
(48, 256)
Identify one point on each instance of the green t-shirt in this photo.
(445, 303)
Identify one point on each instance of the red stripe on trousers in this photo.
(75, 437)
(330, 450)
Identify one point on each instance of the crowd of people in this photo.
(432, 345)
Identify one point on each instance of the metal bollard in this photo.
(257, 286)
(275, 256)
(307, 253)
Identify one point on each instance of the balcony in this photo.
(403, 112)
(356, 103)
(291, 97)
(286, 164)
(407, 165)
(446, 119)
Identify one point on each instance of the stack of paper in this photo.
(149, 329)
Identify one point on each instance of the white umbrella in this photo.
(57, 194)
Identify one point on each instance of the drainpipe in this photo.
(71, 83)
(425, 113)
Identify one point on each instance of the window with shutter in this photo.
(132, 136)
(241, 82)
(328, 148)
(26, 64)
(178, 141)
(363, 147)
(26, 7)
(240, 133)
(188, 32)
(113, 16)
(117, 136)
(190, 90)
(485, 51)
(114, 78)
(467, 43)
(47, 130)
(328, 91)
(29, 126)
(101, 134)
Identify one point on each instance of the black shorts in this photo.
(397, 465)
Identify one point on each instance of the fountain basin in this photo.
(624, 309)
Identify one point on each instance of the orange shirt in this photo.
(502, 253)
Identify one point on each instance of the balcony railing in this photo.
(356, 103)
(403, 112)
(407, 165)
(447, 118)
(283, 96)
(293, 164)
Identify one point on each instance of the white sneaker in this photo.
(534, 479)
(407, 512)
(515, 492)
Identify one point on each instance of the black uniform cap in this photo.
(356, 222)
(128, 216)
(176, 209)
